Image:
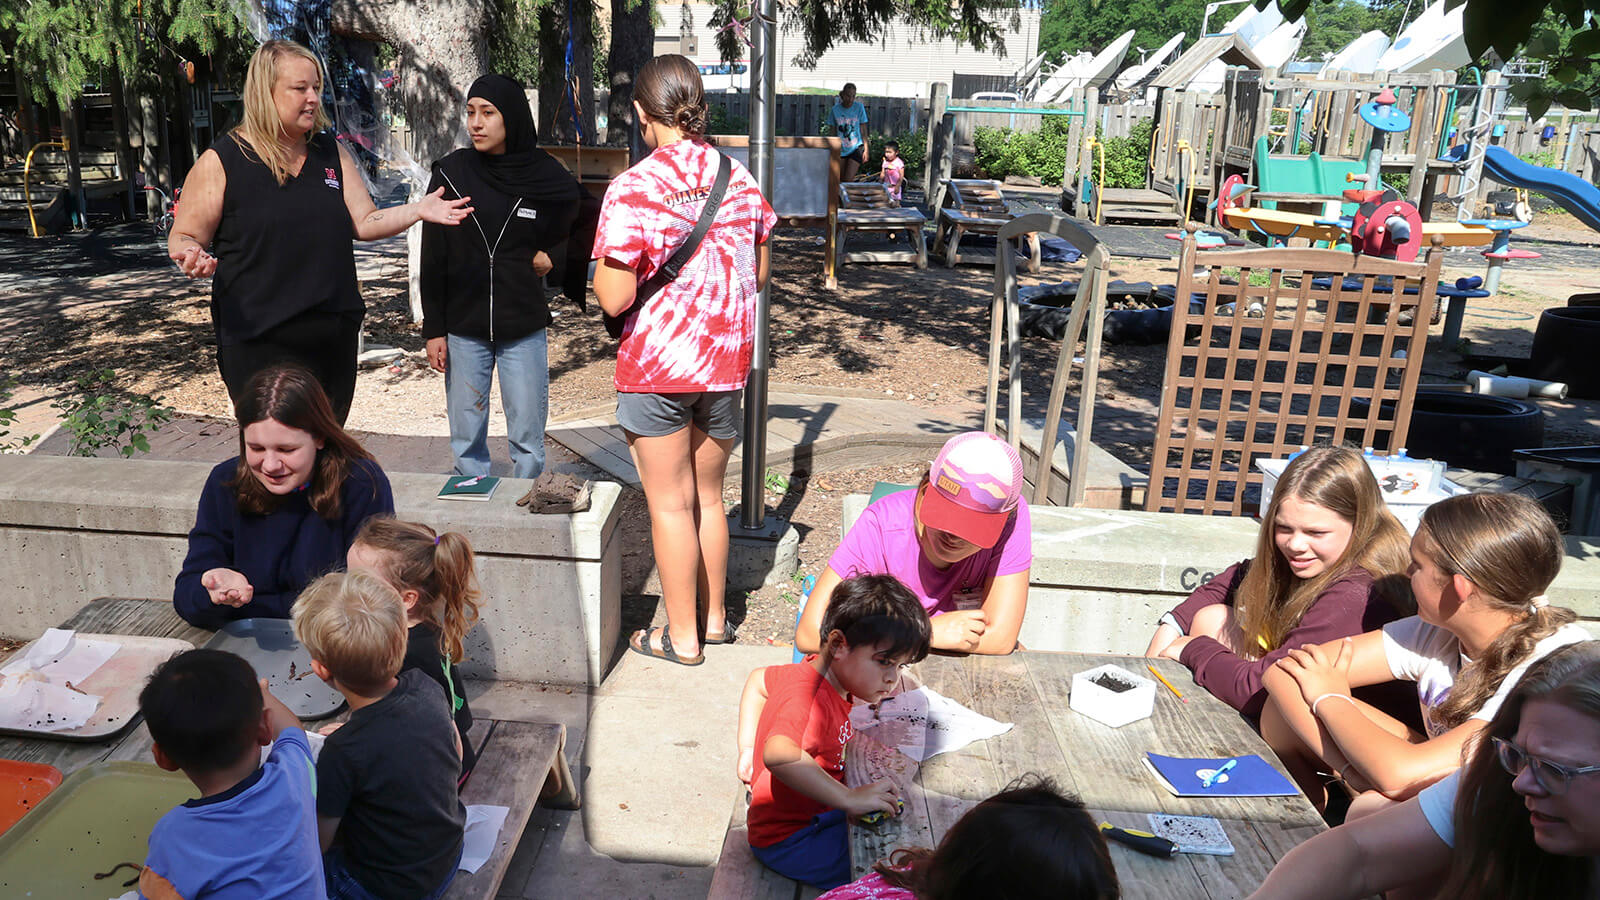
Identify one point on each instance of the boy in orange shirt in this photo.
(874, 626)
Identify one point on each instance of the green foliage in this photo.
(776, 481)
(62, 44)
(1331, 24)
(8, 417)
(722, 122)
(1545, 158)
(98, 417)
(1574, 78)
(1070, 26)
(1041, 154)
(1128, 158)
(975, 23)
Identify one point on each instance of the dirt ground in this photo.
(76, 303)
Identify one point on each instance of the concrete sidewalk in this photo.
(653, 748)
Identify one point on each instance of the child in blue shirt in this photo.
(252, 834)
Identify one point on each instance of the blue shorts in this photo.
(818, 854)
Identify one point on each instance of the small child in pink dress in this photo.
(1029, 840)
(894, 170)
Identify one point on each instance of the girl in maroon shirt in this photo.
(1327, 540)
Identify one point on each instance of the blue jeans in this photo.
(524, 390)
(344, 886)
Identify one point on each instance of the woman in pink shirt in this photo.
(685, 352)
(962, 541)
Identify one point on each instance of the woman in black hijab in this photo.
(483, 302)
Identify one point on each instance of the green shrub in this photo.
(722, 122)
(96, 419)
(999, 152)
(8, 417)
(1127, 158)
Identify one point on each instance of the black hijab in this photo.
(523, 170)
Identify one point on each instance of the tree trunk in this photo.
(127, 165)
(441, 48)
(556, 123)
(633, 39)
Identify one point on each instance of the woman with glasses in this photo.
(1520, 821)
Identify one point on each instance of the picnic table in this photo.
(519, 763)
(1103, 766)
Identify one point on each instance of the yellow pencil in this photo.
(1175, 692)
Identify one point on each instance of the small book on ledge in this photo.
(469, 487)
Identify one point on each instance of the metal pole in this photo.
(763, 86)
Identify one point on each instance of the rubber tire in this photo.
(1564, 349)
(1468, 431)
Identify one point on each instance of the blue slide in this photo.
(1579, 197)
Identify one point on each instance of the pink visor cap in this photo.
(973, 488)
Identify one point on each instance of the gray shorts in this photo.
(717, 413)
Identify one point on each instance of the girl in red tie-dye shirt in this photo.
(685, 354)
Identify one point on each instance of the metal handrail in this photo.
(27, 192)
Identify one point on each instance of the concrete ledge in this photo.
(1101, 578)
(75, 529)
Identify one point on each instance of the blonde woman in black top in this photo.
(269, 213)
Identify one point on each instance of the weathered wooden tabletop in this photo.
(1103, 766)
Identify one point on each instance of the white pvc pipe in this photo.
(1513, 386)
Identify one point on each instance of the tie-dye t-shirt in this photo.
(696, 333)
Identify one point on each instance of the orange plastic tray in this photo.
(22, 786)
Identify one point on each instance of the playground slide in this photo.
(1579, 197)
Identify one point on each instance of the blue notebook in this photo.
(1251, 776)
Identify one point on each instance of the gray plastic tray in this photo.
(117, 683)
(269, 646)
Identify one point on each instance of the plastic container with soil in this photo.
(1468, 431)
(1564, 349)
(99, 818)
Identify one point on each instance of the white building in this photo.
(901, 63)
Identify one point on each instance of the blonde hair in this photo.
(439, 567)
(261, 132)
(1510, 549)
(353, 623)
(1271, 599)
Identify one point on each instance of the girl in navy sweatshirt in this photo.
(283, 511)
(1326, 537)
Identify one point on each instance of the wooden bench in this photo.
(867, 206)
(519, 764)
(978, 206)
(740, 876)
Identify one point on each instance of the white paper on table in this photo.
(924, 723)
(313, 738)
(61, 656)
(29, 704)
(483, 832)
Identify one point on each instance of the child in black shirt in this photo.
(435, 577)
(388, 812)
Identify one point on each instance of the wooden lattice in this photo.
(1282, 348)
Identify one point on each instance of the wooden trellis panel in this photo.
(1325, 332)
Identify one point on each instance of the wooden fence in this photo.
(802, 114)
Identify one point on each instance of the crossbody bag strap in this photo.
(708, 215)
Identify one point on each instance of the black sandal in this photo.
(729, 634)
(646, 648)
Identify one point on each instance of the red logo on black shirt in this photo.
(330, 178)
